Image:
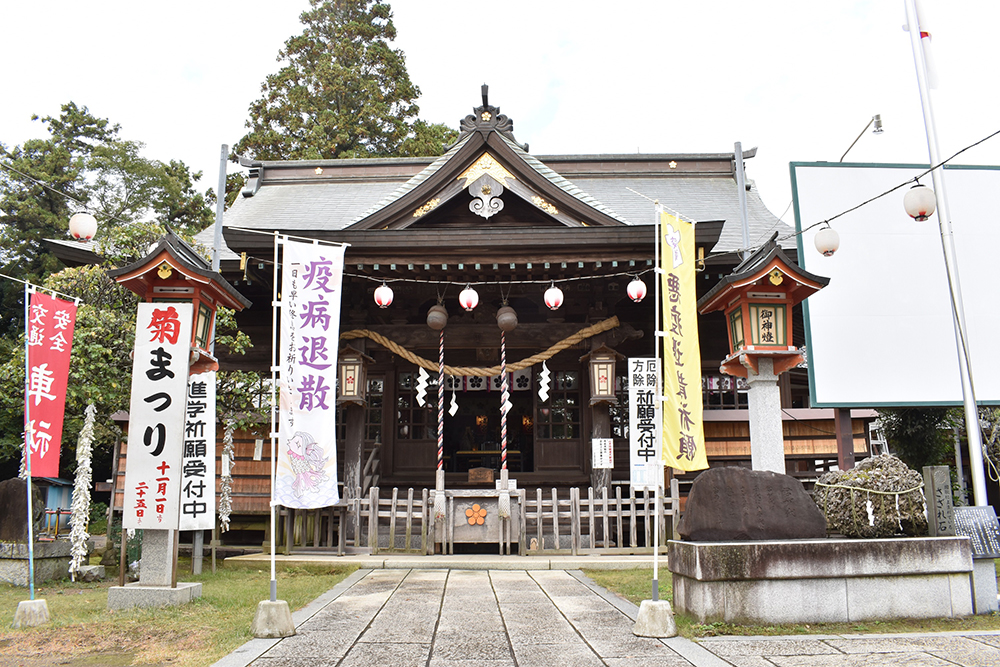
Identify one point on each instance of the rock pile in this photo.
(880, 497)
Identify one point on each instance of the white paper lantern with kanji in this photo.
(383, 296)
(553, 297)
(636, 290)
(468, 298)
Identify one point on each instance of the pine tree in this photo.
(343, 92)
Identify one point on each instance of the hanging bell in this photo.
(506, 319)
(437, 317)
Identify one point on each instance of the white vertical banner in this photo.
(156, 415)
(198, 455)
(311, 288)
(644, 424)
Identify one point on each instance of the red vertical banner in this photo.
(49, 341)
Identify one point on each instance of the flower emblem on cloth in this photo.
(476, 514)
(522, 381)
(475, 382)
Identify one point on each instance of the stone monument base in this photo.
(51, 561)
(984, 582)
(822, 581)
(140, 595)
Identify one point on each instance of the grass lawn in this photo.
(636, 585)
(83, 632)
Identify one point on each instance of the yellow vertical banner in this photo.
(683, 434)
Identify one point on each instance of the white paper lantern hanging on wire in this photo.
(636, 290)
(383, 296)
(82, 226)
(468, 298)
(553, 297)
(827, 241)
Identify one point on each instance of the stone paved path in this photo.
(519, 618)
(465, 618)
(911, 650)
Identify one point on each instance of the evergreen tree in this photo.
(920, 436)
(81, 165)
(343, 92)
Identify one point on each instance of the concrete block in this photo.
(91, 573)
(655, 619)
(141, 595)
(31, 613)
(984, 583)
(273, 620)
(914, 596)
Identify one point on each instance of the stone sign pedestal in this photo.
(979, 525)
(822, 581)
(51, 561)
(155, 575)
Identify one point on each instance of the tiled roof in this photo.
(338, 203)
(409, 185)
(695, 198)
(562, 183)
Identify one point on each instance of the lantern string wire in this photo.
(915, 180)
(48, 187)
(827, 221)
(38, 288)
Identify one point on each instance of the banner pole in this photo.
(275, 403)
(659, 397)
(28, 438)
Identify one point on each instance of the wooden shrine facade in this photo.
(490, 214)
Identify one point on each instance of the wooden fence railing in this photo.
(548, 522)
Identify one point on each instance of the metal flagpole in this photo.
(972, 428)
(29, 436)
(659, 397)
(275, 403)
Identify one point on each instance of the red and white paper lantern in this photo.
(468, 298)
(82, 226)
(636, 290)
(383, 296)
(553, 297)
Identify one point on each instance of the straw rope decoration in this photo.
(564, 344)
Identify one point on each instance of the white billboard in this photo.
(881, 333)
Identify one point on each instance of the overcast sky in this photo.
(797, 79)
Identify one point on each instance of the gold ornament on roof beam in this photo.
(486, 164)
(427, 208)
(544, 205)
(164, 271)
(776, 277)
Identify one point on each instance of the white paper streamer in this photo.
(81, 494)
(421, 386)
(544, 382)
(453, 408)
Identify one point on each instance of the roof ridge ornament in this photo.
(486, 119)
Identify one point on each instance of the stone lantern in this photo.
(757, 299)
(174, 272)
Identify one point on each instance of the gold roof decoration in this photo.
(486, 164)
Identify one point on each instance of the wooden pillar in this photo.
(354, 449)
(845, 438)
(601, 421)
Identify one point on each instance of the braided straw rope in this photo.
(395, 348)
